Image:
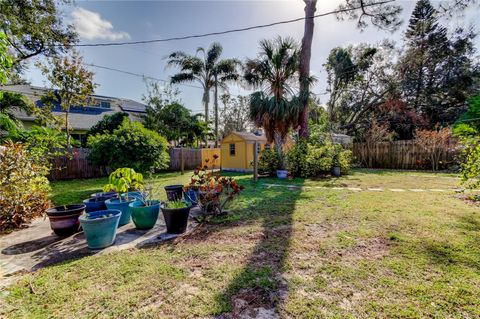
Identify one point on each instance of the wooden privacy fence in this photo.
(400, 155)
(75, 165)
(193, 157)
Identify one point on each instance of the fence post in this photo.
(255, 161)
(182, 161)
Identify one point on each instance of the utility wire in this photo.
(106, 44)
(138, 75)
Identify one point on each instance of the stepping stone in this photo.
(376, 189)
(437, 190)
(397, 190)
(354, 189)
(417, 190)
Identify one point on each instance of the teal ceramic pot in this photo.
(121, 205)
(144, 217)
(100, 227)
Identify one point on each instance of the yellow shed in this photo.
(237, 150)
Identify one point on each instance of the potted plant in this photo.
(176, 215)
(174, 192)
(214, 190)
(64, 219)
(121, 181)
(100, 227)
(336, 170)
(145, 209)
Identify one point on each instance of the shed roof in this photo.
(247, 136)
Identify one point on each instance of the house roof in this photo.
(247, 136)
(80, 118)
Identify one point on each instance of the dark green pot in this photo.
(144, 217)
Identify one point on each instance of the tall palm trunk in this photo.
(216, 110)
(279, 142)
(206, 101)
(304, 67)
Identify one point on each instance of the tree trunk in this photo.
(216, 110)
(66, 129)
(304, 68)
(279, 141)
(206, 100)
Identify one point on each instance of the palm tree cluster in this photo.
(275, 105)
(208, 70)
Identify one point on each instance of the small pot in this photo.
(191, 196)
(93, 204)
(336, 171)
(121, 205)
(282, 174)
(176, 219)
(174, 192)
(99, 231)
(144, 217)
(64, 219)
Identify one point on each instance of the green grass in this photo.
(309, 252)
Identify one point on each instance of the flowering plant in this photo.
(214, 190)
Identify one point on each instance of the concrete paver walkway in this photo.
(37, 246)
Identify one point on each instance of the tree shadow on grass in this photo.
(259, 283)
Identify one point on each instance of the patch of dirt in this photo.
(371, 249)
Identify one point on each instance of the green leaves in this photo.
(123, 180)
(6, 60)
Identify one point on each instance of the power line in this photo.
(138, 75)
(106, 44)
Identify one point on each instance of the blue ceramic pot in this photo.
(145, 217)
(121, 205)
(107, 195)
(95, 203)
(191, 196)
(282, 174)
(100, 227)
(135, 194)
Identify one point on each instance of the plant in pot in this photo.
(214, 191)
(100, 227)
(145, 209)
(64, 219)
(336, 170)
(121, 181)
(176, 215)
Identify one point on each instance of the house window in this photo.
(267, 146)
(105, 104)
(232, 149)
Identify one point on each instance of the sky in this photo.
(117, 21)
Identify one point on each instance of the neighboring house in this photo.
(237, 150)
(81, 118)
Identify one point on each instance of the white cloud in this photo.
(90, 26)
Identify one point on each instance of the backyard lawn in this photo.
(374, 244)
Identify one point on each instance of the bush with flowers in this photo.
(214, 190)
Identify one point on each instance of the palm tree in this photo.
(275, 107)
(208, 70)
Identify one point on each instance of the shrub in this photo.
(108, 124)
(434, 142)
(131, 145)
(470, 168)
(310, 160)
(268, 162)
(23, 187)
